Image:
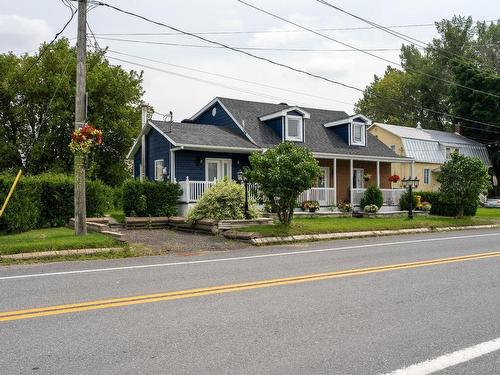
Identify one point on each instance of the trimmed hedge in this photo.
(150, 198)
(439, 204)
(47, 201)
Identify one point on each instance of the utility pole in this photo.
(80, 117)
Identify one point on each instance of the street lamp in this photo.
(410, 184)
(242, 179)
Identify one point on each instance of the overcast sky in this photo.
(24, 24)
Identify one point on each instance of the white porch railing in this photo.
(193, 190)
(325, 196)
(391, 196)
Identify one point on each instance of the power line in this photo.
(405, 37)
(384, 110)
(46, 47)
(243, 48)
(366, 52)
(284, 65)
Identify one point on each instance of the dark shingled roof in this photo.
(202, 134)
(317, 137)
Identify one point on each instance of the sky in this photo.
(169, 86)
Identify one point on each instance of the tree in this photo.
(462, 179)
(37, 112)
(282, 173)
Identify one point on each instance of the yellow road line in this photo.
(190, 293)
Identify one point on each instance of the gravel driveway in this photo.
(166, 240)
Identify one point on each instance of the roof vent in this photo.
(283, 103)
(419, 125)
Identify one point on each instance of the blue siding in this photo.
(277, 125)
(221, 118)
(157, 148)
(187, 163)
(342, 131)
(137, 163)
(294, 113)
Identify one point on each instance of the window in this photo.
(358, 176)
(293, 128)
(358, 133)
(427, 176)
(159, 170)
(217, 169)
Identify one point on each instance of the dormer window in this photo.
(358, 133)
(294, 128)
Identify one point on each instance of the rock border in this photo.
(55, 253)
(256, 240)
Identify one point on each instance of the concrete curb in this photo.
(45, 254)
(348, 235)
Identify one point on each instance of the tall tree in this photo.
(37, 111)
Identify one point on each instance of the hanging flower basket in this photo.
(83, 139)
(394, 178)
(367, 177)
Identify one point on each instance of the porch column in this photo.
(335, 182)
(378, 174)
(412, 169)
(351, 172)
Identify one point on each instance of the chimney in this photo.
(457, 129)
(144, 114)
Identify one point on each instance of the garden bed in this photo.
(321, 225)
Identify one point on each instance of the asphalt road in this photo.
(375, 319)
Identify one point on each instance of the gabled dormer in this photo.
(288, 123)
(352, 129)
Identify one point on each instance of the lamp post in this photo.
(242, 179)
(410, 184)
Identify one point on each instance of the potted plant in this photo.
(371, 209)
(312, 206)
(367, 177)
(344, 206)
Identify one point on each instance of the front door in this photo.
(217, 169)
(321, 186)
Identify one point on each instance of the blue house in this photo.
(216, 141)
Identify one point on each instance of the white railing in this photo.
(391, 196)
(325, 196)
(193, 190)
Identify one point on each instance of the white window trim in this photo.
(156, 169)
(219, 162)
(429, 175)
(300, 137)
(362, 178)
(363, 133)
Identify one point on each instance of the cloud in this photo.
(20, 34)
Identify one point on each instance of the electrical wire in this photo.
(144, 18)
(367, 52)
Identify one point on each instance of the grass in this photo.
(353, 224)
(493, 213)
(118, 215)
(53, 239)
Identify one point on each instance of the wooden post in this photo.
(335, 182)
(188, 190)
(378, 174)
(351, 166)
(80, 111)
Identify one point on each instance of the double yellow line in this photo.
(190, 293)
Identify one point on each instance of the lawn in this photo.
(493, 213)
(353, 224)
(53, 239)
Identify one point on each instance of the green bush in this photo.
(223, 201)
(373, 195)
(427, 196)
(24, 208)
(47, 201)
(443, 206)
(150, 198)
(404, 201)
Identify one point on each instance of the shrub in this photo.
(23, 210)
(150, 198)
(404, 201)
(373, 195)
(344, 206)
(443, 206)
(223, 201)
(371, 208)
(47, 201)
